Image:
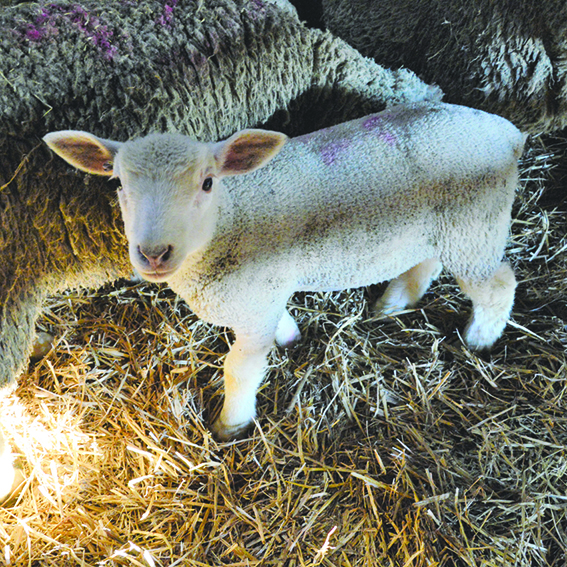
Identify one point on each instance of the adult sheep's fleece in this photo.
(122, 69)
(508, 57)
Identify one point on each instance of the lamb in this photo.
(392, 195)
(508, 57)
(131, 68)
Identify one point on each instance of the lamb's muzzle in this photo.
(156, 258)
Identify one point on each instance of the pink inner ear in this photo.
(249, 151)
(239, 163)
(87, 155)
(90, 154)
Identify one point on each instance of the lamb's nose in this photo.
(155, 256)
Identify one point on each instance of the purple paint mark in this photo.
(34, 34)
(388, 138)
(331, 152)
(166, 18)
(375, 123)
(372, 123)
(50, 17)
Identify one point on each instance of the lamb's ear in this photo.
(247, 150)
(84, 151)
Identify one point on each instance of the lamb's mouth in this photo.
(156, 275)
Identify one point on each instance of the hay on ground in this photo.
(378, 443)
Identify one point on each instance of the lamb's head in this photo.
(170, 186)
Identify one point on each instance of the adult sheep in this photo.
(125, 69)
(508, 57)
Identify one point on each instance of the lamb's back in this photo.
(358, 204)
(379, 179)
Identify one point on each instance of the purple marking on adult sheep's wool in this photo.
(46, 26)
(166, 18)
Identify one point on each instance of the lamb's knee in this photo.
(492, 304)
(406, 290)
(287, 332)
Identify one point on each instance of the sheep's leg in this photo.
(287, 332)
(492, 303)
(18, 316)
(18, 313)
(406, 290)
(244, 370)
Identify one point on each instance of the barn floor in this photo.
(378, 443)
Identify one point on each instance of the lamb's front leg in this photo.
(244, 370)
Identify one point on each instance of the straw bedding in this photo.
(378, 443)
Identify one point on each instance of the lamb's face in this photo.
(167, 199)
(169, 187)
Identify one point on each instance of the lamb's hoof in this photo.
(289, 341)
(384, 308)
(480, 339)
(224, 432)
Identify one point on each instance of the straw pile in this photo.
(379, 443)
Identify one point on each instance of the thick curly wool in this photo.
(507, 57)
(124, 69)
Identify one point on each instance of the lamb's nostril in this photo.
(142, 255)
(167, 254)
(155, 256)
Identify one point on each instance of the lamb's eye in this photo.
(207, 184)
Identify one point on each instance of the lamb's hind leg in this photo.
(406, 290)
(492, 303)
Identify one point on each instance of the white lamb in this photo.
(391, 195)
